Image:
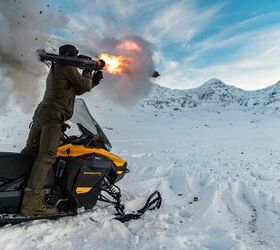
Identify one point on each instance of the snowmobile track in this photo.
(18, 219)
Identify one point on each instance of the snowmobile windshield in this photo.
(86, 123)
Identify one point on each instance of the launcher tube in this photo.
(82, 62)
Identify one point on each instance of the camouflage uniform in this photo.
(63, 84)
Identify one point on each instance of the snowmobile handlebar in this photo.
(80, 61)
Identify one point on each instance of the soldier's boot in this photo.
(34, 204)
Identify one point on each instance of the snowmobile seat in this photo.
(14, 165)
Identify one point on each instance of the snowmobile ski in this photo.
(113, 191)
(153, 202)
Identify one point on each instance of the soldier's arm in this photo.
(81, 83)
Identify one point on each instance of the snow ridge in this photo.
(216, 93)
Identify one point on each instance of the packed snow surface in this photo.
(216, 166)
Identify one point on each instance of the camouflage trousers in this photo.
(43, 141)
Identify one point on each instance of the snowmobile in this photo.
(85, 171)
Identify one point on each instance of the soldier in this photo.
(62, 85)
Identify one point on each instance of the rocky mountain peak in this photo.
(218, 94)
(213, 83)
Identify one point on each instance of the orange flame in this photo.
(115, 64)
(129, 45)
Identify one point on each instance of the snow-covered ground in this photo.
(225, 158)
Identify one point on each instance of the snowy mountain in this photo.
(217, 93)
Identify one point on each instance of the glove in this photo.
(87, 73)
(97, 77)
(101, 63)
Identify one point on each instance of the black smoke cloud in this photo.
(24, 27)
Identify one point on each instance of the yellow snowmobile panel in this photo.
(70, 150)
(83, 190)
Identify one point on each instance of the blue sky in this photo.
(237, 41)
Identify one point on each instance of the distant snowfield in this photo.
(229, 160)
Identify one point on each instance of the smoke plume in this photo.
(24, 27)
(127, 88)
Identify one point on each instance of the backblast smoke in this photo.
(24, 27)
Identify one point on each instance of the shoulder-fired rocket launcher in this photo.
(80, 61)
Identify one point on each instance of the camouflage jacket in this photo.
(63, 84)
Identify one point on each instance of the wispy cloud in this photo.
(179, 22)
(233, 35)
(244, 53)
(252, 60)
(157, 21)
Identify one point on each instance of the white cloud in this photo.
(158, 21)
(253, 63)
(178, 21)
